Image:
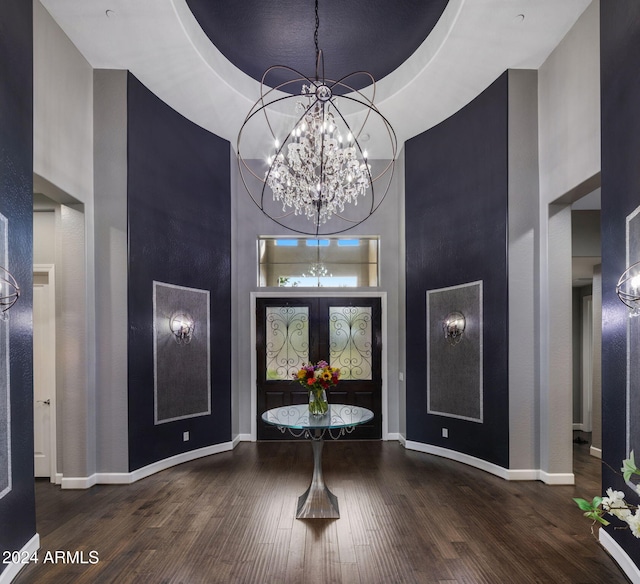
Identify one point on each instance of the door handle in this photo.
(46, 402)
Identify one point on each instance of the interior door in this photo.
(346, 332)
(43, 374)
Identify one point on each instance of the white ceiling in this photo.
(161, 43)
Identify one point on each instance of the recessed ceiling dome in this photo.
(373, 35)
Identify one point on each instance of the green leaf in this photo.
(596, 502)
(629, 467)
(584, 505)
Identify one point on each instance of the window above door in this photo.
(340, 262)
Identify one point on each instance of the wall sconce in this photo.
(182, 326)
(628, 288)
(453, 326)
(9, 292)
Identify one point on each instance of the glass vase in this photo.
(318, 405)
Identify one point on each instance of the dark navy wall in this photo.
(180, 233)
(456, 232)
(17, 508)
(620, 96)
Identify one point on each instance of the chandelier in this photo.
(317, 167)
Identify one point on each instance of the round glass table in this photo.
(317, 501)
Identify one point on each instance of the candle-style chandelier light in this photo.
(318, 170)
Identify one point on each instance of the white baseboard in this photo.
(402, 439)
(619, 556)
(494, 469)
(11, 570)
(78, 482)
(126, 478)
(597, 452)
(393, 436)
(242, 438)
(556, 478)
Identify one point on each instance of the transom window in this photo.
(338, 262)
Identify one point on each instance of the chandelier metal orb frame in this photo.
(317, 168)
(628, 288)
(9, 292)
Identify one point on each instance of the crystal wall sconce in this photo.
(182, 326)
(9, 292)
(453, 327)
(628, 288)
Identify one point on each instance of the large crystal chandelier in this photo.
(317, 167)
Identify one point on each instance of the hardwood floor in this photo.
(405, 517)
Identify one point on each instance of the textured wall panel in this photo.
(633, 342)
(456, 231)
(454, 370)
(182, 371)
(5, 397)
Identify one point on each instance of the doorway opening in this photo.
(44, 372)
(587, 319)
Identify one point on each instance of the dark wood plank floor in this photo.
(405, 517)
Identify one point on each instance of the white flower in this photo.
(615, 504)
(634, 523)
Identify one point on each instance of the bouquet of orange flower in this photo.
(317, 379)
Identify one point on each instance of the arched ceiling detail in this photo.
(164, 46)
(374, 35)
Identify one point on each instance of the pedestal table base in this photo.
(317, 502)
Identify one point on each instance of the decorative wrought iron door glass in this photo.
(287, 336)
(350, 341)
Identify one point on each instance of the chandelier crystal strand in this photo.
(321, 171)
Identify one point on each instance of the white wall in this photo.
(111, 260)
(63, 170)
(62, 109)
(248, 222)
(569, 102)
(569, 152)
(44, 237)
(522, 261)
(402, 300)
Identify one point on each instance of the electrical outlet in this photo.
(445, 432)
(401, 376)
(185, 436)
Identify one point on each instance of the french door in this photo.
(345, 332)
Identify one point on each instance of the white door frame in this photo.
(49, 271)
(285, 293)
